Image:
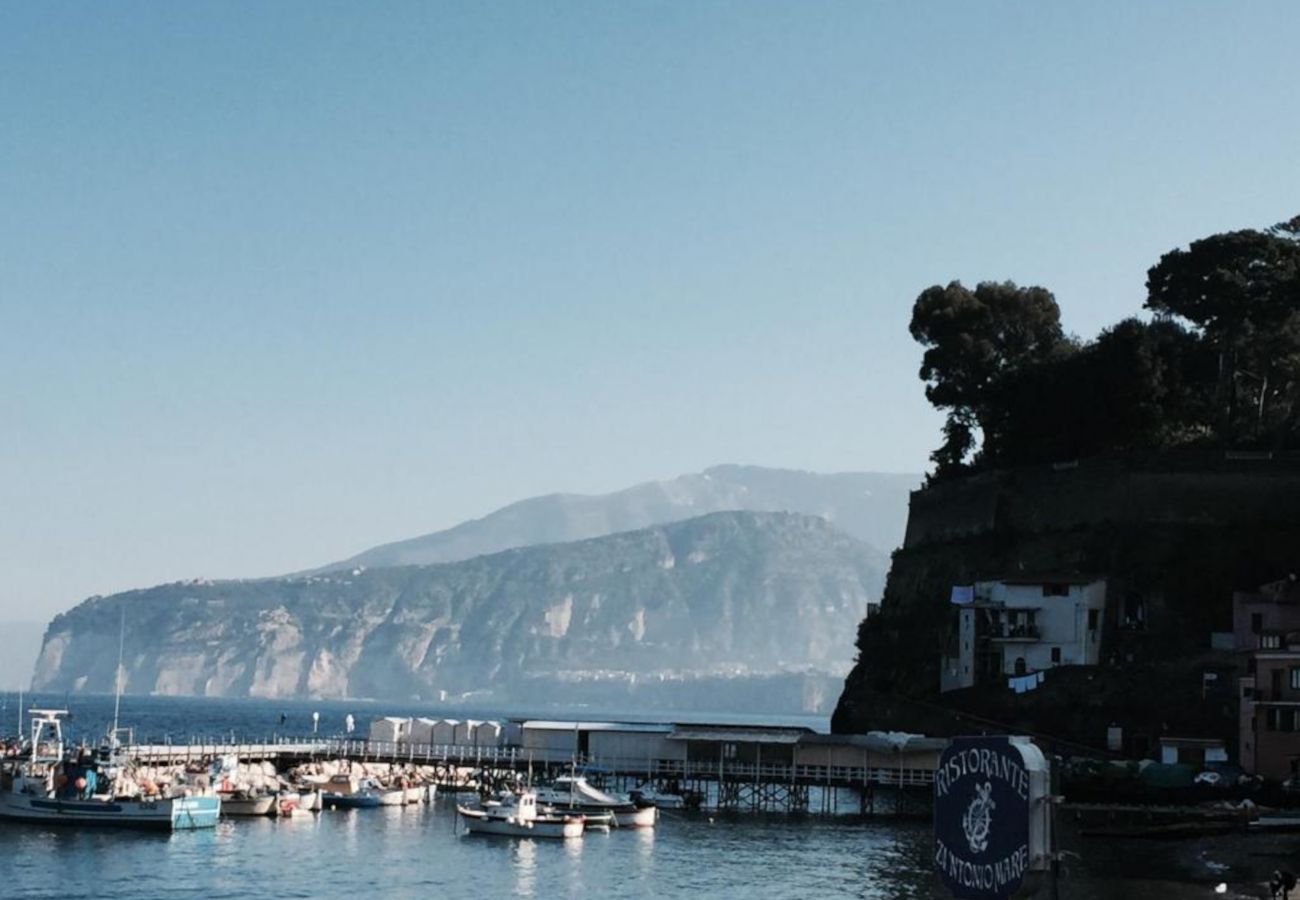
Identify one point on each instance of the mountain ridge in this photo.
(867, 505)
(728, 593)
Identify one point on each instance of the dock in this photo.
(756, 768)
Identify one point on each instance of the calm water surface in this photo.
(421, 852)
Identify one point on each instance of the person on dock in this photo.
(315, 722)
(350, 723)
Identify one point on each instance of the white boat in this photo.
(47, 787)
(310, 801)
(575, 795)
(246, 804)
(389, 796)
(520, 817)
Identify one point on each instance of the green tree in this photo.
(972, 339)
(1139, 385)
(1241, 289)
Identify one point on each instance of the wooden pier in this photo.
(821, 773)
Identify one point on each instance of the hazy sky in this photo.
(280, 281)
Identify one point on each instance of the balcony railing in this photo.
(1015, 633)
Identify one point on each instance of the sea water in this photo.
(422, 852)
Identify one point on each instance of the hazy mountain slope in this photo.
(871, 507)
(725, 593)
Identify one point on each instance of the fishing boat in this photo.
(345, 792)
(573, 794)
(242, 803)
(519, 816)
(48, 786)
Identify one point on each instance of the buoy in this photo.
(80, 783)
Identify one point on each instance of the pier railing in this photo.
(519, 759)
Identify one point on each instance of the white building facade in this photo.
(1015, 628)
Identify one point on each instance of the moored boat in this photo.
(246, 804)
(48, 787)
(575, 795)
(346, 792)
(520, 817)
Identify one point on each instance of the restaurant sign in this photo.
(992, 817)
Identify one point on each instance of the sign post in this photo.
(992, 818)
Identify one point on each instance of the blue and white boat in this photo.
(345, 792)
(48, 787)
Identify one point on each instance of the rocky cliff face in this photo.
(720, 594)
(1175, 533)
(869, 506)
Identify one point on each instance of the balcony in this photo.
(1012, 633)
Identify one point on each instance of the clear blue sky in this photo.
(280, 281)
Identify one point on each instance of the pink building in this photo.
(1266, 630)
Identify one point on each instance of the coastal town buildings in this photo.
(1013, 630)
(1266, 632)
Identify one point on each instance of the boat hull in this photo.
(248, 808)
(350, 801)
(623, 816)
(173, 814)
(558, 827)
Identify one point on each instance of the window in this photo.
(1094, 618)
(1250, 666)
(1256, 622)
(1295, 677)
(1056, 590)
(1286, 719)
(1270, 720)
(1270, 641)
(1056, 655)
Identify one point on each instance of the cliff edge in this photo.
(1172, 534)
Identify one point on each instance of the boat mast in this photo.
(117, 676)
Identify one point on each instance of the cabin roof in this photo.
(556, 725)
(752, 734)
(877, 741)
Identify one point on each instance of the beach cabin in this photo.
(888, 756)
(748, 744)
(488, 734)
(422, 731)
(444, 732)
(464, 733)
(632, 743)
(390, 729)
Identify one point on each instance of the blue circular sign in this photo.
(981, 818)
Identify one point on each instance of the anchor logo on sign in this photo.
(978, 820)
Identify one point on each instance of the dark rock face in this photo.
(1177, 533)
(871, 507)
(728, 593)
